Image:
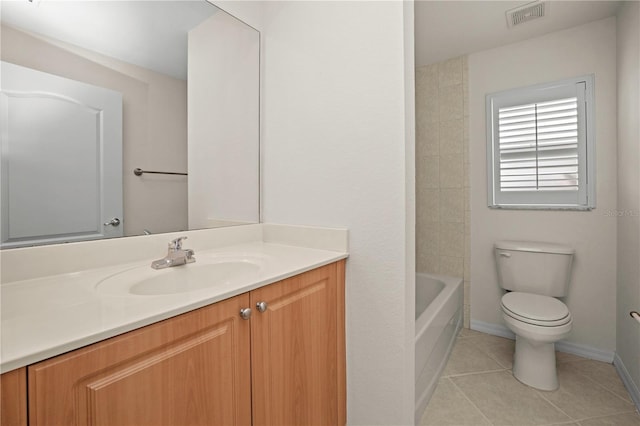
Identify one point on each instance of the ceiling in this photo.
(446, 29)
(150, 34)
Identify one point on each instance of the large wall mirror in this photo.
(122, 118)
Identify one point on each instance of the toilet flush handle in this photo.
(505, 254)
(635, 315)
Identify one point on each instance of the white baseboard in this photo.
(586, 351)
(563, 346)
(634, 393)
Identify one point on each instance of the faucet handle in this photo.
(177, 243)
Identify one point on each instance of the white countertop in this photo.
(47, 316)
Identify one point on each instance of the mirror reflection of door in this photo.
(61, 167)
(141, 49)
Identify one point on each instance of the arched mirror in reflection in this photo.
(93, 90)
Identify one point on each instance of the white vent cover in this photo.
(525, 13)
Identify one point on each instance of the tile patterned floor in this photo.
(477, 388)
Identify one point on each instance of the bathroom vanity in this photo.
(267, 349)
(245, 325)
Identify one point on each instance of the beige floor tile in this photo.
(626, 419)
(448, 406)
(602, 373)
(564, 424)
(505, 401)
(467, 332)
(565, 357)
(488, 339)
(465, 358)
(582, 398)
(498, 348)
(590, 391)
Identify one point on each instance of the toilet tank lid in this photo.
(534, 246)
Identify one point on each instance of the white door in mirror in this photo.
(62, 140)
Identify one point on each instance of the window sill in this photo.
(541, 207)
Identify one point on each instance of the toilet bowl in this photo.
(534, 274)
(538, 322)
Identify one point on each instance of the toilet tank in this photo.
(534, 267)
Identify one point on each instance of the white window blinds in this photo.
(538, 147)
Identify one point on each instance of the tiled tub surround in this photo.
(50, 304)
(442, 165)
(477, 388)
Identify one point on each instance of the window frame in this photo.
(585, 197)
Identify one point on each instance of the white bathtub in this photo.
(438, 319)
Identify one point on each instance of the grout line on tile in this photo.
(603, 387)
(490, 356)
(473, 373)
(631, 407)
(627, 401)
(604, 416)
(541, 394)
(471, 402)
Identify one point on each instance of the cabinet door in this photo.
(297, 350)
(13, 398)
(193, 369)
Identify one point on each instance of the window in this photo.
(541, 147)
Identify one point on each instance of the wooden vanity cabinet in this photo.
(297, 350)
(285, 365)
(13, 398)
(193, 369)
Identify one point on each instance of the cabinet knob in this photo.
(261, 306)
(245, 313)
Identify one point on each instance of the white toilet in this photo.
(535, 274)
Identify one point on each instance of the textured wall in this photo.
(442, 163)
(334, 150)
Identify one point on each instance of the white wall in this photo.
(224, 128)
(154, 124)
(590, 48)
(628, 289)
(248, 11)
(336, 116)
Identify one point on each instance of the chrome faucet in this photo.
(176, 255)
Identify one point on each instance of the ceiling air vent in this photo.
(522, 14)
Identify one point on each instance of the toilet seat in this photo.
(535, 309)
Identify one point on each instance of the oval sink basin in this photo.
(145, 281)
